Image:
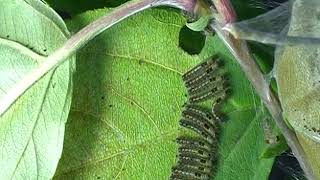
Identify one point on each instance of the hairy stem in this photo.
(241, 52)
(81, 38)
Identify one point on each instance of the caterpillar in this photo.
(205, 81)
(197, 155)
(198, 71)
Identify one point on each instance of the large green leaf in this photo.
(128, 98)
(32, 130)
(77, 6)
(242, 138)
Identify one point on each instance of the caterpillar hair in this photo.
(219, 97)
(200, 70)
(192, 172)
(198, 128)
(197, 155)
(194, 162)
(205, 118)
(213, 92)
(205, 76)
(211, 117)
(206, 83)
(203, 79)
(192, 150)
(196, 159)
(194, 142)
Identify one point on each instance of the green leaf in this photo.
(32, 129)
(77, 6)
(242, 138)
(274, 150)
(128, 98)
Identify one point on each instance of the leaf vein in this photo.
(133, 102)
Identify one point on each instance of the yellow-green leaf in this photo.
(298, 78)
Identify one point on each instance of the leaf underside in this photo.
(32, 130)
(128, 97)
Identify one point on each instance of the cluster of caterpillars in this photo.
(197, 154)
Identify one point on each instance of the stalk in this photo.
(80, 39)
(241, 52)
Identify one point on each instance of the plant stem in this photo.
(241, 52)
(78, 40)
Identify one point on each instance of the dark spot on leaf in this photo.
(45, 50)
(140, 61)
(128, 79)
(53, 85)
(132, 103)
(110, 105)
(8, 36)
(314, 129)
(98, 177)
(102, 97)
(190, 41)
(186, 95)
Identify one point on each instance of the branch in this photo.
(81, 38)
(241, 53)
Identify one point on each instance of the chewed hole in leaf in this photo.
(190, 41)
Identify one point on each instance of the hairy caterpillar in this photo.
(196, 155)
(205, 81)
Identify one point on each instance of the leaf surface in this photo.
(297, 73)
(73, 7)
(32, 129)
(128, 98)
